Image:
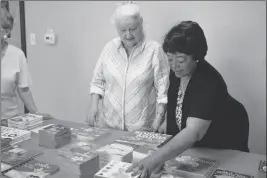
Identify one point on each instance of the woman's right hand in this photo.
(91, 117)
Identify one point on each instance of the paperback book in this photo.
(220, 173)
(80, 147)
(146, 139)
(190, 166)
(14, 135)
(54, 136)
(14, 156)
(115, 151)
(115, 169)
(89, 133)
(80, 164)
(34, 169)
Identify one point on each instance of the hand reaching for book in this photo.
(145, 168)
(91, 117)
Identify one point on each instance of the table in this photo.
(246, 163)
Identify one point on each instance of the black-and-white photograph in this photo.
(133, 89)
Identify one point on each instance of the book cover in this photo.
(78, 158)
(25, 119)
(186, 165)
(14, 156)
(89, 133)
(146, 139)
(116, 149)
(5, 166)
(262, 166)
(56, 129)
(115, 169)
(220, 173)
(79, 147)
(14, 134)
(33, 169)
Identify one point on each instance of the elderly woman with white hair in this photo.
(131, 76)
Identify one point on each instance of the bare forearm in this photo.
(161, 109)
(26, 97)
(181, 142)
(94, 100)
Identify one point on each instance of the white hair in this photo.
(126, 9)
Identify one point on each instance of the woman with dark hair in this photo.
(15, 75)
(200, 111)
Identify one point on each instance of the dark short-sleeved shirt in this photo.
(207, 97)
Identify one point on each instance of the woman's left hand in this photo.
(144, 168)
(46, 116)
(156, 124)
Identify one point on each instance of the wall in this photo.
(236, 34)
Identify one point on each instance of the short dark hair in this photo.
(186, 37)
(6, 18)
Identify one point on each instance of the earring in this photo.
(197, 61)
(5, 37)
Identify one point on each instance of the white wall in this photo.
(235, 31)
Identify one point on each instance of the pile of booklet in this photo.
(25, 121)
(115, 152)
(12, 136)
(115, 169)
(54, 136)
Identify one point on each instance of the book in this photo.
(89, 133)
(115, 151)
(16, 155)
(146, 139)
(115, 169)
(34, 169)
(35, 133)
(78, 147)
(221, 173)
(14, 135)
(54, 136)
(190, 166)
(80, 164)
(24, 121)
(5, 166)
(262, 166)
(26, 127)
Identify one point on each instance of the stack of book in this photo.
(33, 168)
(115, 152)
(16, 155)
(5, 143)
(228, 174)
(115, 169)
(35, 133)
(146, 139)
(54, 136)
(193, 167)
(89, 133)
(26, 121)
(13, 135)
(82, 165)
